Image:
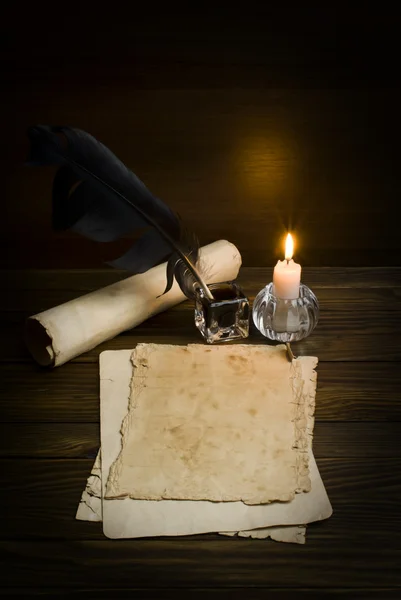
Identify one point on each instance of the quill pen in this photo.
(96, 195)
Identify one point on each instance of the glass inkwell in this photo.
(224, 316)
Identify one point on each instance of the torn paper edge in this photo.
(291, 534)
(90, 507)
(300, 398)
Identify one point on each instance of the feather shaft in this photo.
(152, 222)
(83, 189)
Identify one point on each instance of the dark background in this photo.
(247, 123)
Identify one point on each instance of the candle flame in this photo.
(289, 247)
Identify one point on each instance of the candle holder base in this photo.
(285, 320)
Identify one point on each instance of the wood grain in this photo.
(234, 563)
(335, 339)
(354, 319)
(247, 123)
(257, 161)
(82, 440)
(352, 324)
(41, 497)
(346, 391)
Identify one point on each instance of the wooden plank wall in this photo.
(247, 124)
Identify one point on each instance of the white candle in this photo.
(287, 274)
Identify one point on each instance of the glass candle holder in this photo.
(226, 317)
(285, 320)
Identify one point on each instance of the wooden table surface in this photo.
(50, 436)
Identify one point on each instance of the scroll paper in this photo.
(59, 334)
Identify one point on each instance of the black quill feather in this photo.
(96, 195)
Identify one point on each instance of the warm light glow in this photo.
(289, 247)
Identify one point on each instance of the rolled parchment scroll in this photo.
(59, 334)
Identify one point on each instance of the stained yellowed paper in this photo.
(90, 509)
(90, 505)
(130, 518)
(221, 423)
(59, 334)
(287, 533)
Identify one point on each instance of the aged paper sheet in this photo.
(90, 509)
(288, 533)
(221, 423)
(90, 504)
(140, 518)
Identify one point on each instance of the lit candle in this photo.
(287, 274)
